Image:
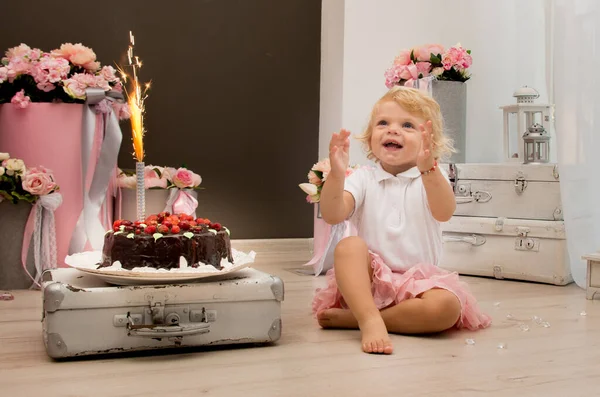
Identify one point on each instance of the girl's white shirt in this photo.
(392, 216)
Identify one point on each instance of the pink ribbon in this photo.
(182, 201)
(325, 240)
(40, 225)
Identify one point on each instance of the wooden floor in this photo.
(559, 360)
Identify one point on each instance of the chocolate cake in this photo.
(162, 239)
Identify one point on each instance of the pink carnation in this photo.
(3, 74)
(121, 110)
(108, 74)
(457, 57)
(20, 100)
(38, 181)
(48, 71)
(79, 82)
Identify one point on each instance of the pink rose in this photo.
(38, 181)
(314, 179)
(409, 72)
(423, 68)
(403, 58)
(126, 181)
(78, 55)
(185, 178)
(151, 178)
(169, 172)
(435, 49)
(324, 166)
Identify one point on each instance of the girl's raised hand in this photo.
(339, 148)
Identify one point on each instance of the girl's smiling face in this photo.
(395, 137)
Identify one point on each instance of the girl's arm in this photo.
(440, 195)
(336, 204)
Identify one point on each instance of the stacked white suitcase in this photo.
(508, 223)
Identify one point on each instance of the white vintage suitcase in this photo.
(508, 223)
(516, 249)
(84, 316)
(519, 191)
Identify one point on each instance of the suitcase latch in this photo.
(520, 183)
(524, 243)
(498, 273)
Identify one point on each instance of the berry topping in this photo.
(175, 229)
(150, 229)
(116, 224)
(184, 225)
(151, 218)
(163, 229)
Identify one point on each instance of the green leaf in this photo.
(319, 174)
(157, 172)
(26, 197)
(469, 52)
(435, 59)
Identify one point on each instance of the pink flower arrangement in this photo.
(429, 60)
(317, 177)
(17, 182)
(61, 75)
(156, 177)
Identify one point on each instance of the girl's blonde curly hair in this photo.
(419, 104)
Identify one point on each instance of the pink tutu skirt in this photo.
(389, 288)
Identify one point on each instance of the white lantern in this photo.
(517, 118)
(536, 145)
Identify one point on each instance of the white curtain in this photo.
(573, 84)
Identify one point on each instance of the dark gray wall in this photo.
(235, 93)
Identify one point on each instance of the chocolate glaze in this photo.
(163, 253)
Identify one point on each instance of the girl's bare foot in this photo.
(375, 338)
(337, 318)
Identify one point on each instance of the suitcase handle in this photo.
(480, 197)
(167, 331)
(474, 239)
